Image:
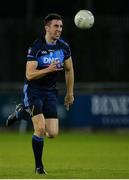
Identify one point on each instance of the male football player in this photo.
(47, 56)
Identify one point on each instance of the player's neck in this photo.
(49, 40)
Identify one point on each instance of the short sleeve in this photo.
(32, 51)
(31, 54)
(67, 51)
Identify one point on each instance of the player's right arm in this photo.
(33, 73)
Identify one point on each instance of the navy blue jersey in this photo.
(44, 54)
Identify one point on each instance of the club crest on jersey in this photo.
(51, 50)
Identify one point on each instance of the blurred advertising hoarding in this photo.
(100, 111)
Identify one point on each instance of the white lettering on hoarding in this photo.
(110, 105)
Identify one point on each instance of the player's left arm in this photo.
(69, 78)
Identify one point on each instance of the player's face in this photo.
(54, 29)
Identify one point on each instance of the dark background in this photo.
(100, 54)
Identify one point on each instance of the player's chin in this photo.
(57, 37)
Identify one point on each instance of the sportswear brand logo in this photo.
(43, 52)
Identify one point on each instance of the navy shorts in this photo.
(40, 101)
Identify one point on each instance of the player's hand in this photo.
(55, 66)
(68, 101)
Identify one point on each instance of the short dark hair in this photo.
(50, 17)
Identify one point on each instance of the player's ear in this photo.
(46, 28)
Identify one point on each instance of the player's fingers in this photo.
(67, 107)
(59, 69)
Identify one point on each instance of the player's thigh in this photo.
(52, 127)
(38, 118)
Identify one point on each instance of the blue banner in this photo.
(100, 110)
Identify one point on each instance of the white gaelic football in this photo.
(84, 19)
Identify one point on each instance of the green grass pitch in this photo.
(72, 155)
